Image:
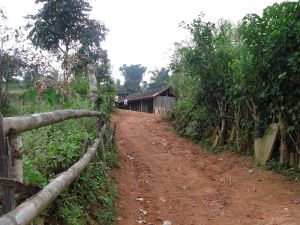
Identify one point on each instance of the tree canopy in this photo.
(64, 27)
(133, 75)
(159, 78)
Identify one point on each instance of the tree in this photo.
(63, 27)
(31, 75)
(202, 77)
(273, 40)
(10, 67)
(133, 75)
(10, 64)
(103, 72)
(17, 56)
(118, 83)
(242, 78)
(11, 57)
(159, 78)
(17, 59)
(7, 62)
(102, 67)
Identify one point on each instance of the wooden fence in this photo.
(163, 104)
(11, 164)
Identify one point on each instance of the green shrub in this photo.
(52, 96)
(105, 102)
(80, 85)
(72, 213)
(29, 95)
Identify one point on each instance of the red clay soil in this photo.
(166, 177)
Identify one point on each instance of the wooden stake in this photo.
(112, 133)
(8, 202)
(15, 147)
(93, 83)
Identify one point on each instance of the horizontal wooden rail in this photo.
(31, 208)
(33, 121)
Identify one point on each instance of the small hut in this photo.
(156, 101)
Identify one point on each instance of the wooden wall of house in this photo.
(144, 106)
(163, 104)
(141, 106)
(135, 106)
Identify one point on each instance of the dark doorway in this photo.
(150, 106)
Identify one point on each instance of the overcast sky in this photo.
(143, 31)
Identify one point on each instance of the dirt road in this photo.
(164, 177)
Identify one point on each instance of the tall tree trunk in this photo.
(237, 112)
(1, 87)
(255, 132)
(93, 83)
(68, 65)
(296, 160)
(221, 132)
(222, 110)
(233, 134)
(295, 138)
(284, 154)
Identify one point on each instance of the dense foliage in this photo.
(133, 75)
(134, 82)
(236, 80)
(159, 78)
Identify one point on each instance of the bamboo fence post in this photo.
(15, 145)
(93, 83)
(112, 133)
(8, 201)
(100, 122)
